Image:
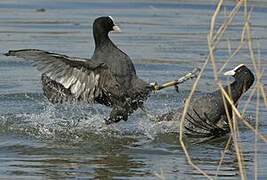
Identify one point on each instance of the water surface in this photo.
(165, 40)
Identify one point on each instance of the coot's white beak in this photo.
(233, 71)
(116, 28)
(229, 73)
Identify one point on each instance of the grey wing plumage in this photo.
(197, 126)
(82, 78)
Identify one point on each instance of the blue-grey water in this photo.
(165, 39)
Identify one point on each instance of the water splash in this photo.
(76, 122)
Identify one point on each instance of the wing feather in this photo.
(83, 78)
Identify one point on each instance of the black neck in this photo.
(235, 89)
(101, 38)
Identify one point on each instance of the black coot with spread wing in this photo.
(108, 78)
(206, 114)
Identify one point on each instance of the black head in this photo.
(104, 24)
(242, 74)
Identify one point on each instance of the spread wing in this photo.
(83, 78)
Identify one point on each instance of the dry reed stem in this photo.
(258, 84)
(248, 101)
(231, 125)
(250, 46)
(187, 102)
(212, 59)
(263, 94)
(240, 44)
(234, 129)
(226, 24)
(234, 134)
(251, 94)
(235, 52)
(239, 115)
(237, 147)
(213, 18)
(161, 175)
(241, 41)
(223, 155)
(259, 56)
(259, 88)
(213, 41)
(219, 34)
(256, 138)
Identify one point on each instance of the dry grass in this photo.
(214, 38)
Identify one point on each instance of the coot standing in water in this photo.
(108, 78)
(206, 115)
